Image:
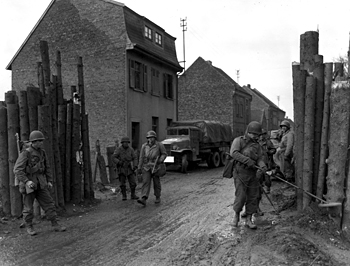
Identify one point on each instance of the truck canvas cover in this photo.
(213, 131)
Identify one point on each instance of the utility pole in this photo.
(237, 73)
(183, 24)
(278, 100)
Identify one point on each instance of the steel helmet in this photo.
(125, 139)
(254, 127)
(151, 134)
(285, 123)
(36, 135)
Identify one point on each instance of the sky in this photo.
(257, 39)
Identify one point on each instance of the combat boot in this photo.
(30, 230)
(57, 227)
(249, 222)
(142, 201)
(235, 219)
(123, 190)
(157, 200)
(133, 195)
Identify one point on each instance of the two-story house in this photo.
(264, 110)
(130, 66)
(207, 92)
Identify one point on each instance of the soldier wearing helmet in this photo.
(33, 173)
(248, 154)
(152, 154)
(125, 159)
(285, 150)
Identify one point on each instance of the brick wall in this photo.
(78, 28)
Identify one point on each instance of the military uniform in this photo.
(268, 151)
(32, 165)
(150, 157)
(286, 149)
(126, 162)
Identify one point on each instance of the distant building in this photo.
(130, 66)
(264, 110)
(207, 92)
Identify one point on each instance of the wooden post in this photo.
(12, 129)
(23, 115)
(41, 82)
(338, 70)
(76, 178)
(308, 49)
(68, 163)
(44, 51)
(113, 177)
(84, 132)
(338, 143)
(62, 120)
(33, 100)
(59, 78)
(325, 129)
(299, 86)
(310, 93)
(4, 163)
(318, 73)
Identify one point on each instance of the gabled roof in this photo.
(261, 96)
(219, 72)
(135, 31)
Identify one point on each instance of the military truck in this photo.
(196, 141)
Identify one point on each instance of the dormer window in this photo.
(148, 33)
(158, 39)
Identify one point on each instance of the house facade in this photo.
(264, 110)
(207, 92)
(130, 66)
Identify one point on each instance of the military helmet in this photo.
(254, 127)
(36, 135)
(285, 123)
(125, 139)
(151, 134)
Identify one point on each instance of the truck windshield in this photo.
(178, 132)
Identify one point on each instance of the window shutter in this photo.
(145, 80)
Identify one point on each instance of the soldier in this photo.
(285, 148)
(33, 173)
(248, 154)
(152, 154)
(126, 161)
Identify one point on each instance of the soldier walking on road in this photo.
(33, 173)
(126, 161)
(247, 153)
(152, 154)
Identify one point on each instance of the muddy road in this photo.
(191, 226)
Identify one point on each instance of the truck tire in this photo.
(215, 158)
(184, 163)
(222, 158)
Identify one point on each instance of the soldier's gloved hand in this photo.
(250, 163)
(30, 184)
(49, 185)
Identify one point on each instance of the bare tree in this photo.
(343, 59)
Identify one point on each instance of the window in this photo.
(137, 75)
(155, 83)
(168, 86)
(169, 121)
(155, 124)
(148, 33)
(158, 39)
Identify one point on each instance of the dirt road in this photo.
(191, 226)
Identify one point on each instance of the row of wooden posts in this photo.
(321, 97)
(64, 124)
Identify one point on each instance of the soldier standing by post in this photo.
(247, 153)
(33, 172)
(126, 161)
(285, 149)
(152, 154)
